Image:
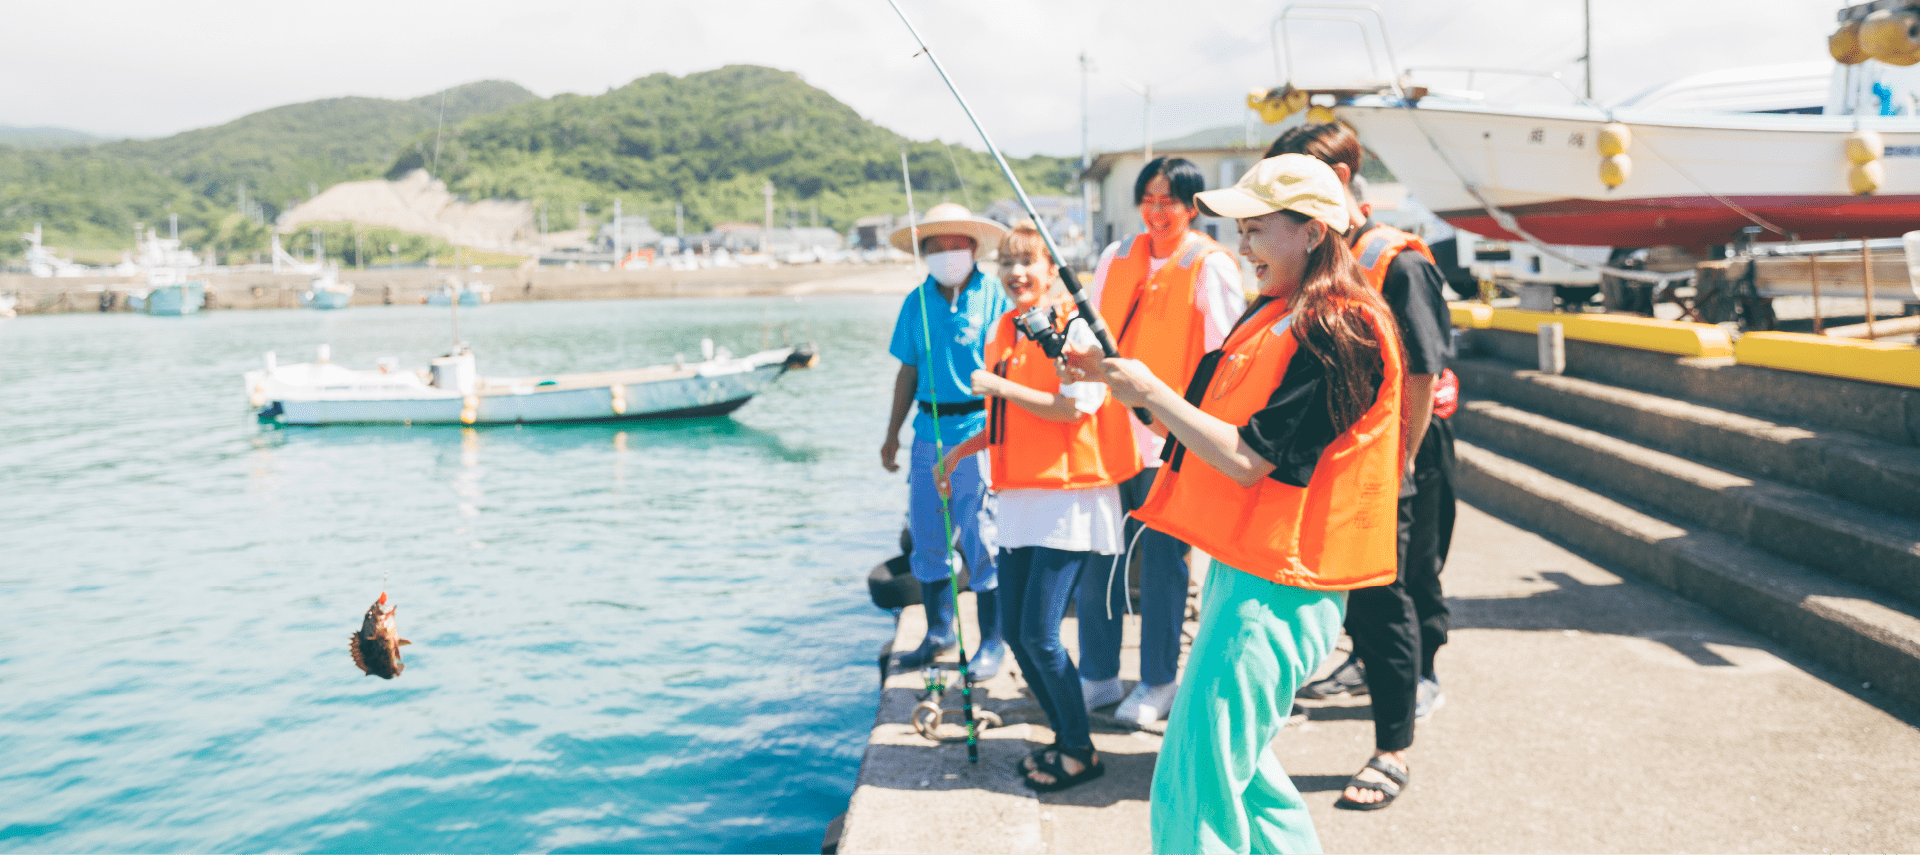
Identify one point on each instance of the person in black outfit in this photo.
(1397, 628)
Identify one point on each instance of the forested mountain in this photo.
(91, 196)
(710, 140)
(43, 137)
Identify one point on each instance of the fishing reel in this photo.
(929, 714)
(1037, 323)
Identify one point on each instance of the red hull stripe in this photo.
(1697, 220)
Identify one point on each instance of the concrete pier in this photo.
(1587, 710)
(410, 286)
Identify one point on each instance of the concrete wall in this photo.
(374, 287)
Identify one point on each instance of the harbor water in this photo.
(643, 636)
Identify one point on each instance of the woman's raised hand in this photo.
(1130, 380)
(1078, 363)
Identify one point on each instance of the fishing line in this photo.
(940, 456)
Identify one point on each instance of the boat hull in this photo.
(181, 299)
(1542, 166)
(326, 299)
(708, 389)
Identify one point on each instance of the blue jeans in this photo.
(972, 509)
(1033, 600)
(1102, 601)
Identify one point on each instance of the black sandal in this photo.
(1049, 764)
(1396, 781)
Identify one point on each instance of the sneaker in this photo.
(1427, 698)
(1100, 693)
(1147, 704)
(1350, 677)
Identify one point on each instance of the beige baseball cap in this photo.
(1289, 182)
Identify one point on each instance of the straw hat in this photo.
(952, 218)
(1288, 182)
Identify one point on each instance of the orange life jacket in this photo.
(1153, 318)
(1028, 452)
(1379, 246)
(1342, 530)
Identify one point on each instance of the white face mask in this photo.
(952, 267)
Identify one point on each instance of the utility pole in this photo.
(1086, 154)
(616, 235)
(679, 220)
(1587, 9)
(766, 230)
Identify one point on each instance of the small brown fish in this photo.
(376, 647)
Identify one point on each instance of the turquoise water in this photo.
(650, 637)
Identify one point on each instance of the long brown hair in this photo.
(1328, 322)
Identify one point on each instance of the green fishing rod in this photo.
(946, 509)
(1093, 319)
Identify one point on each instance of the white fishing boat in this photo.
(326, 291)
(7, 302)
(468, 293)
(168, 292)
(452, 391)
(1691, 163)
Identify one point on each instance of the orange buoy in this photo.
(1844, 44)
(1891, 37)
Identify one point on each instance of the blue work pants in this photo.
(972, 509)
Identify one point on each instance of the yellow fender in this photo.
(1615, 138)
(619, 394)
(1845, 46)
(1891, 37)
(1865, 146)
(1864, 178)
(1318, 115)
(1615, 170)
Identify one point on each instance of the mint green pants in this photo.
(1217, 786)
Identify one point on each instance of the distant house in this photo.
(636, 232)
(1062, 216)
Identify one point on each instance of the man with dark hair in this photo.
(1170, 294)
(1397, 628)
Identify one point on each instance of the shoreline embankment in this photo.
(410, 286)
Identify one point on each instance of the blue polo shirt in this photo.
(960, 331)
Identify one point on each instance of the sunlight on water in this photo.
(638, 637)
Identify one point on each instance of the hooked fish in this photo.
(376, 647)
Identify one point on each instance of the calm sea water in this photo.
(649, 637)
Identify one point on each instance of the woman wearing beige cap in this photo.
(1284, 466)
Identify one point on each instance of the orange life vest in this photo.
(1028, 452)
(1342, 530)
(1379, 246)
(1153, 318)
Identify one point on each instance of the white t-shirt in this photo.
(1216, 295)
(1069, 520)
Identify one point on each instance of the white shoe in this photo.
(1099, 693)
(1147, 704)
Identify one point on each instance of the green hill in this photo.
(43, 137)
(90, 197)
(711, 141)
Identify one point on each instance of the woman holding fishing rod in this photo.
(1284, 465)
(1056, 454)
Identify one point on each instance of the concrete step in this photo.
(1857, 630)
(1839, 463)
(1848, 541)
(1886, 413)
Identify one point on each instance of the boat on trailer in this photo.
(1819, 153)
(452, 391)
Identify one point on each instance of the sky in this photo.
(147, 69)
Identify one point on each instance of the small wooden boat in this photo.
(451, 391)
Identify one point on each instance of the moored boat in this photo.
(468, 293)
(326, 291)
(451, 391)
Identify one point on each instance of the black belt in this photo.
(960, 409)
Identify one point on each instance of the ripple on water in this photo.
(643, 637)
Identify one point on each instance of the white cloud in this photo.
(152, 69)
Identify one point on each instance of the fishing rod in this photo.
(946, 510)
(1093, 319)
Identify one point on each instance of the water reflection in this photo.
(665, 435)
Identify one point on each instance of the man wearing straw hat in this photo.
(940, 339)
